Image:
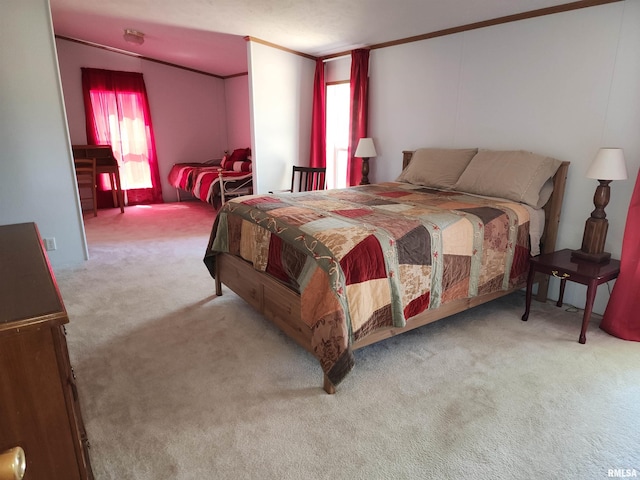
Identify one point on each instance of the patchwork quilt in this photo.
(370, 257)
(203, 181)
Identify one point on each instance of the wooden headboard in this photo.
(406, 157)
(552, 210)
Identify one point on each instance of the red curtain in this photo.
(622, 315)
(359, 110)
(318, 121)
(117, 113)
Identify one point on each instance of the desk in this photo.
(105, 163)
(114, 179)
(562, 266)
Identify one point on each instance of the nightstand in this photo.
(562, 266)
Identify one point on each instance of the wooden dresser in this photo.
(39, 408)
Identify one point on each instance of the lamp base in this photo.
(595, 234)
(365, 171)
(590, 257)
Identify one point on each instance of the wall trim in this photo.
(485, 23)
(142, 57)
(273, 45)
(417, 38)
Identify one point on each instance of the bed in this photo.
(215, 181)
(341, 269)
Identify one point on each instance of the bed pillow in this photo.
(512, 174)
(238, 166)
(240, 155)
(437, 167)
(231, 162)
(545, 193)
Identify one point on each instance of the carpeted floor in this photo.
(176, 383)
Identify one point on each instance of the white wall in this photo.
(37, 183)
(337, 69)
(188, 109)
(281, 94)
(562, 85)
(238, 121)
(189, 117)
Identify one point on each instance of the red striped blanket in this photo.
(203, 181)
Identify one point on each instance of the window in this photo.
(117, 112)
(337, 133)
(126, 135)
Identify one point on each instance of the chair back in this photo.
(86, 178)
(305, 179)
(84, 168)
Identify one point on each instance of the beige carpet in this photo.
(176, 383)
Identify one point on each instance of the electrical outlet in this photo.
(50, 244)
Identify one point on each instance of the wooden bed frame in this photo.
(281, 305)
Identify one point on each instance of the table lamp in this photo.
(365, 150)
(608, 165)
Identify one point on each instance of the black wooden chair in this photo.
(305, 179)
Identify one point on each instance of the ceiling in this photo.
(208, 35)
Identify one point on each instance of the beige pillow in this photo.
(437, 167)
(545, 193)
(512, 174)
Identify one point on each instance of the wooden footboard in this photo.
(281, 305)
(267, 295)
(429, 316)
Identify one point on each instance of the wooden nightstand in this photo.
(562, 266)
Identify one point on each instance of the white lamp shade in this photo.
(365, 148)
(608, 165)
